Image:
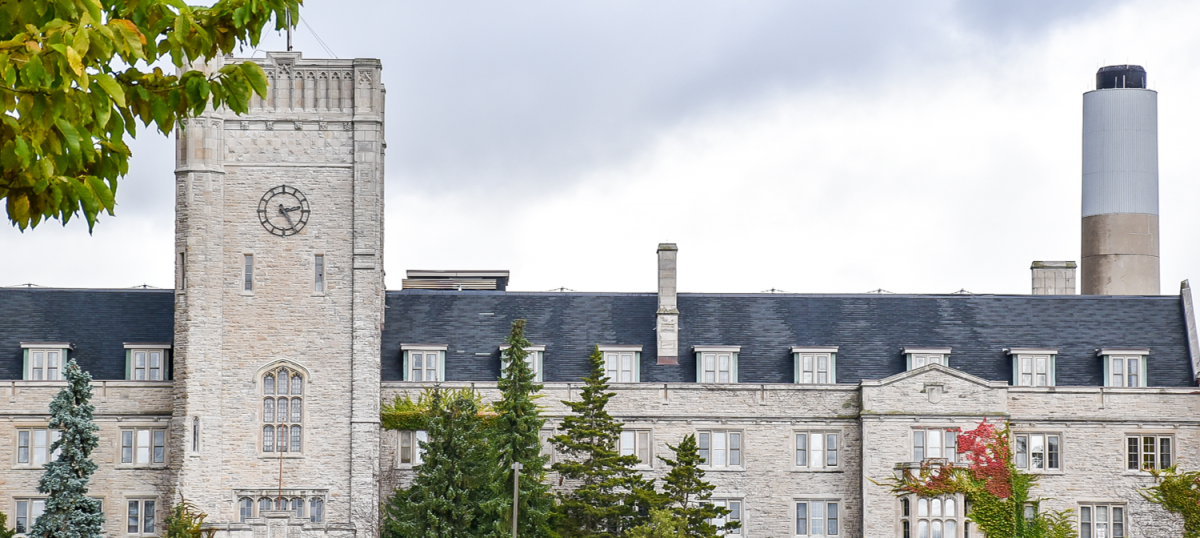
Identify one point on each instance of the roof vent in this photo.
(456, 280)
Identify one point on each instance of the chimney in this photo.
(668, 312)
(1053, 278)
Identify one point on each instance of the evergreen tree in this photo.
(6, 532)
(516, 438)
(663, 524)
(611, 496)
(70, 513)
(453, 482)
(687, 493)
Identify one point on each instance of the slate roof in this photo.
(869, 330)
(97, 322)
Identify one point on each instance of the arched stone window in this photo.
(282, 410)
(245, 508)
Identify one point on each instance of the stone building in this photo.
(253, 388)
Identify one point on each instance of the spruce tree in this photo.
(610, 497)
(70, 513)
(453, 483)
(686, 492)
(6, 532)
(516, 436)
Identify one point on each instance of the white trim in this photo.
(604, 348)
(527, 348)
(46, 345)
(717, 349)
(277, 363)
(925, 350)
(424, 347)
(147, 346)
(1121, 351)
(817, 349)
(1031, 351)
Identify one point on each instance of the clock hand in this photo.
(297, 208)
(285, 214)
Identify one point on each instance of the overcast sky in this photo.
(796, 145)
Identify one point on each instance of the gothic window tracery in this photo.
(282, 410)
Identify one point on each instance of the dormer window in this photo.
(44, 361)
(717, 364)
(1124, 367)
(1033, 367)
(917, 357)
(815, 365)
(146, 362)
(424, 362)
(622, 364)
(533, 359)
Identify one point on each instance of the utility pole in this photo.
(516, 467)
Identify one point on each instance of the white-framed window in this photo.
(316, 509)
(1037, 452)
(1125, 367)
(28, 509)
(1033, 367)
(247, 279)
(815, 365)
(140, 517)
(143, 446)
(1144, 452)
(318, 273)
(917, 357)
(633, 442)
(409, 451)
(424, 362)
(283, 410)
(931, 517)
(33, 446)
(44, 361)
(535, 356)
(935, 443)
(720, 449)
(817, 449)
(245, 509)
(717, 364)
(818, 517)
(622, 364)
(735, 515)
(1102, 521)
(146, 362)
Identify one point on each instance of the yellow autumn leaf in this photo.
(75, 61)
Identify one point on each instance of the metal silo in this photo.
(1120, 184)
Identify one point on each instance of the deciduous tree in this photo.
(70, 512)
(609, 496)
(77, 75)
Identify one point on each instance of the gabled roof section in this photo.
(925, 370)
(97, 323)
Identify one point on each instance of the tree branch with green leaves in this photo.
(78, 75)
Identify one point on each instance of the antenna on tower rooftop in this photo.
(289, 29)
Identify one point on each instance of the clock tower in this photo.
(279, 304)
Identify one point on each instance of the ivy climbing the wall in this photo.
(996, 492)
(1178, 492)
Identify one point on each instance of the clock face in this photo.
(283, 211)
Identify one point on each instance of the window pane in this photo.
(148, 517)
(160, 444)
(918, 445)
(923, 529)
(268, 438)
(1052, 452)
(143, 446)
(1118, 368)
(132, 523)
(1164, 453)
(719, 446)
(643, 447)
(801, 518)
(1147, 454)
(951, 445)
(831, 450)
(406, 447)
(22, 516)
(1022, 451)
(816, 446)
(1085, 522)
(950, 510)
(297, 385)
(922, 507)
(1118, 522)
(282, 433)
(937, 529)
(724, 373)
(935, 443)
(296, 436)
(1133, 372)
(801, 450)
(627, 368)
(418, 365)
(269, 384)
(704, 443)
(23, 446)
(269, 410)
(822, 369)
(282, 410)
(296, 415)
(818, 518)
(735, 449)
(127, 446)
(831, 519)
(626, 444)
(1132, 451)
(935, 507)
(1037, 451)
(951, 527)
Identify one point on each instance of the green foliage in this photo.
(686, 492)
(455, 480)
(610, 497)
(1178, 492)
(516, 439)
(6, 532)
(405, 414)
(662, 524)
(75, 76)
(70, 513)
(990, 482)
(185, 521)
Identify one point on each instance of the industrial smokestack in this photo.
(1120, 184)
